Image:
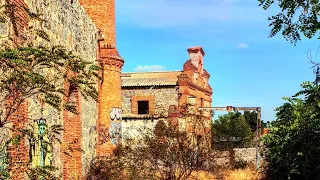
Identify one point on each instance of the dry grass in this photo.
(201, 175)
(240, 174)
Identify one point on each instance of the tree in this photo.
(293, 145)
(295, 18)
(251, 118)
(167, 155)
(163, 153)
(41, 73)
(230, 131)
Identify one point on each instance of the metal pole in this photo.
(258, 137)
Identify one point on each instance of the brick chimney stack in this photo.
(102, 12)
(196, 56)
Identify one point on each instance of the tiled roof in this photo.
(150, 78)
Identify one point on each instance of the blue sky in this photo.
(247, 68)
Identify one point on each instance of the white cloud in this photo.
(149, 68)
(243, 45)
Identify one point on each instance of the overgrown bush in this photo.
(231, 131)
(292, 147)
(163, 154)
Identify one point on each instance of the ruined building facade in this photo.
(151, 96)
(87, 28)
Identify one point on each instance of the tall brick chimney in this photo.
(196, 56)
(102, 12)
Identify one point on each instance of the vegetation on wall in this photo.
(41, 73)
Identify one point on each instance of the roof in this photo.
(135, 79)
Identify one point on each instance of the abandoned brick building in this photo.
(87, 28)
(147, 96)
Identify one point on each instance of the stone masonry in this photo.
(169, 91)
(67, 24)
(163, 98)
(87, 28)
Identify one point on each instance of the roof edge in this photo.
(151, 72)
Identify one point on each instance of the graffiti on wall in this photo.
(103, 135)
(115, 125)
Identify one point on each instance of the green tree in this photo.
(295, 19)
(283, 113)
(292, 148)
(230, 131)
(251, 118)
(28, 71)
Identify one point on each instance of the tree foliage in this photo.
(251, 119)
(230, 131)
(29, 71)
(42, 73)
(293, 145)
(295, 19)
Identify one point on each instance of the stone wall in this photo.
(163, 98)
(245, 154)
(138, 128)
(226, 158)
(3, 25)
(68, 25)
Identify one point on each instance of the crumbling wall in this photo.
(163, 98)
(227, 158)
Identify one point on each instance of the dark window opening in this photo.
(143, 107)
(202, 102)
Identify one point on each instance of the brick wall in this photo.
(18, 154)
(103, 15)
(109, 97)
(193, 82)
(69, 25)
(136, 98)
(71, 155)
(19, 19)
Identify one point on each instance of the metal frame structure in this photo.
(236, 109)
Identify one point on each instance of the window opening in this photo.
(143, 107)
